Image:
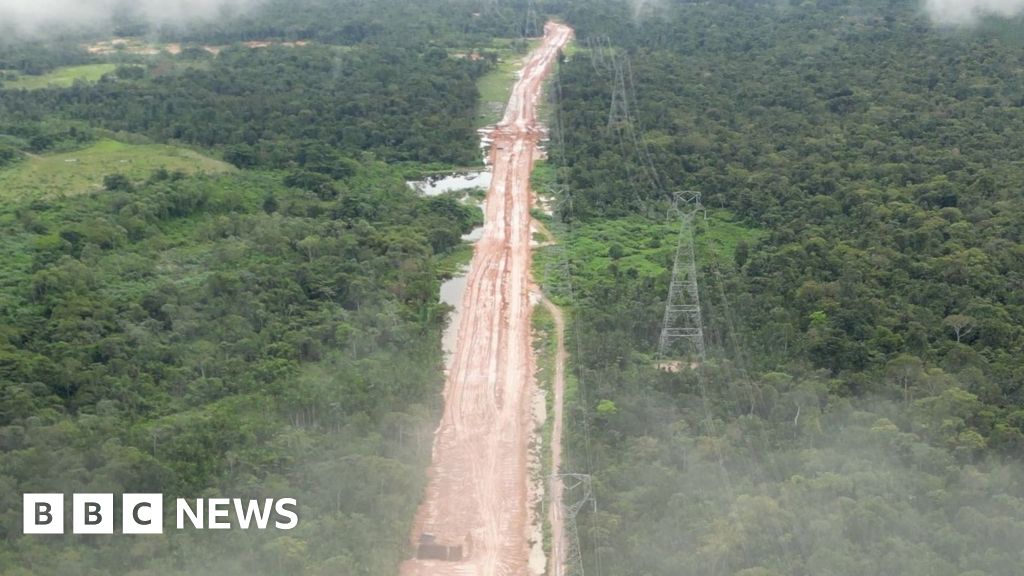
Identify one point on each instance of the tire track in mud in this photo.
(478, 495)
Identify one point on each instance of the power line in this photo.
(623, 121)
(581, 487)
(682, 320)
(576, 566)
(532, 27)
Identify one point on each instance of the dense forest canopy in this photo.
(226, 335)
(280, 106)
(357, 21)
(268, 332)
(396, 23)
(861, 410)
(275, 330)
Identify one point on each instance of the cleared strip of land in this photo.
(476, 509)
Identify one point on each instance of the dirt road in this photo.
(559, 544)
(478, 493)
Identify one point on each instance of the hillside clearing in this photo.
(82, 171)
(61, 77)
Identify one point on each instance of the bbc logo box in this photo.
(144, 513)
(93, 514)
(43, 514)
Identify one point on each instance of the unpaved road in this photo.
(559, 544)
(478, 491)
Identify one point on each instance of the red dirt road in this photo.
(556, 515)
(478, 493)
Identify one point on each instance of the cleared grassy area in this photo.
(639, 248)
(83, 170)
(718, 236)
(61, 77)
(648, 247)
(496, 85)
(645, 246)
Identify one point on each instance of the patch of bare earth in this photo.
(475, 518)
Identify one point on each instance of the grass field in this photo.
(62, 77)
(496, 85)
(642, 248)
(83, 170)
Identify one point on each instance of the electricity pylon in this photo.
(682, 309)
(532, 28)
(580, 486)
(599, 48)
(619, 114)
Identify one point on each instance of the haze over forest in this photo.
(34, 17)
(219, 277)
(40, 16)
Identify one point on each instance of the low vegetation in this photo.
(82, 171)
(496, 85)
(59, 78)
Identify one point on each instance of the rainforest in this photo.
(219, 278)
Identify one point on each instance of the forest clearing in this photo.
(478, 492)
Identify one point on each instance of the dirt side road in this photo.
(559, 544)
(477, 496)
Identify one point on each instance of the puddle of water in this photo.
(453, 288)
(478, 232)
(452, 183)
(474, 235)
(451, 294)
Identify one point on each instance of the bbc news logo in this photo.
(144, 513)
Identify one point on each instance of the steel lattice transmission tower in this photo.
(579, 487)
(682, 309)
(600, 50)
(619, 114)
(532, 28)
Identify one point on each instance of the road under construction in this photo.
(477, 516)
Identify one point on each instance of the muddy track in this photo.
(477, 506)
(556, 520)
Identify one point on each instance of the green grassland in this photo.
(636, 245)
(61, 77)
(82, 171)
(641, 248)
(496, 85)
(647, 248)
(544, 178)
(494, 90)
